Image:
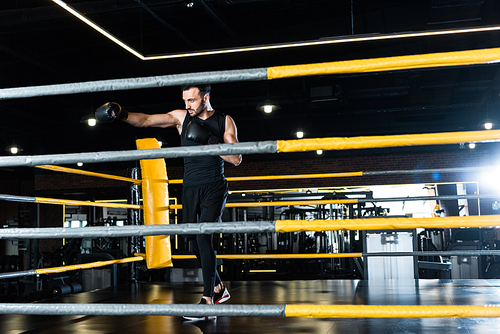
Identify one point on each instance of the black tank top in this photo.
(200, 171)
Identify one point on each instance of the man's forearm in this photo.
(232, 159)
(136, 119)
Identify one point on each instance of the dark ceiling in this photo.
(42, 44)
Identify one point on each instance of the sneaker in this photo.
(221, 296)
(192, 319)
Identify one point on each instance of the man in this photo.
(205, 188)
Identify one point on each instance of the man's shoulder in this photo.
(179, 114)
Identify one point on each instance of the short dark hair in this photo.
(204, 88)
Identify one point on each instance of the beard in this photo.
(197, 111)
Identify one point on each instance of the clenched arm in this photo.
(231, 136)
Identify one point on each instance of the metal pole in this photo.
(35, 248)
(133, 217)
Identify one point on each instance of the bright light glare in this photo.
(490, 181)
(472, 145)
(319, 152)
(488, 125)
(14, 150)
(268, 109)
(300, 134)
(92, 121)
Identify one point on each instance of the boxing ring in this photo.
(157, 200)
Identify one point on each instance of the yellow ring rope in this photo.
(363, 142)
(386, 223)
(87, 265)
(273, 256)
(458, 58)
(43, 200)
(391, 311)
(281, 203)
(84, 172)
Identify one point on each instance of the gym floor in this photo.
(383, 292)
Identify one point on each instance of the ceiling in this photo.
(42, 44)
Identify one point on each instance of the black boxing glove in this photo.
(200, 134)
(110, 111)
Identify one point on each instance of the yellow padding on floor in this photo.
(458, 58)
(155, 199)
(349, 143)
(391, 311)
(386, 223)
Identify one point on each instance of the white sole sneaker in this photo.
(193, 319)
(221, 297)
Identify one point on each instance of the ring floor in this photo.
(383, 292)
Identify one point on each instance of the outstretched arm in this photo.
(231, 136)
(112, 111)
(170, 119)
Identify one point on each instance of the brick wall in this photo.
(49, 181)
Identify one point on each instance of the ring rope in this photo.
(61, 269)
(307, 256)
(304, 310)
(43, 200)
(87, 265)
(363, 142)
(133, 155)
(397, 223)
(457, 58)
(281, 177)
(350, 201)
(345, 174)
(84, 172)
(300, 145)
(361, 224)
(392, 311)
(273, 177)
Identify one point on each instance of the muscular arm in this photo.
(170, 119)
(231, 136)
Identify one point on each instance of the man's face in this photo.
(195, 103)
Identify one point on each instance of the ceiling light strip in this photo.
(321, 42)
(75, 13)
(334, 40)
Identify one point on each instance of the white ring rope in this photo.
(135, 83)
(132, 155)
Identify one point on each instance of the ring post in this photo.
(155, 205)
(134, 219)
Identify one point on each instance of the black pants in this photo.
(205, 205)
